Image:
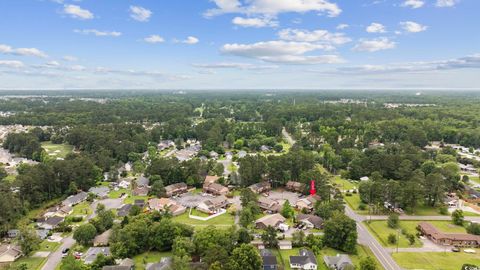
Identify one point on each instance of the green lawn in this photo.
(197, 213)
(381, 230)
(115, 194)
(344, 184)
(435, 260)
(224, 220)
(283, 256)
(32, 263)
(48, 246)
(57, 150)
(82, 209)
(149, 257)
(10, 178)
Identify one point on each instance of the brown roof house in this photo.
(275, 220)
(268, 204)
(214, 205)
(449, 239)
(307, 203)
(176, 189)
(163, 204)
(260, 187)
(9, 253)
(295, 186)
(141, 191)
(215, 188)
(102, 240)
(310, 221)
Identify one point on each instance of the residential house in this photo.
(269, 260)
(140, 203)
(141, 191)
(9, 253)
(142, 181)
(124, 184)
(209, 179)
(305, 260)
(164, 204)
(212, 206)
(125, 264)
(164, 264)
(265, 148)
(124, 210)
(310, 221)
(215, 188)
(93, 252)
(274, 220)
(176, 189)
(260, 187)
(229, 155)
(242, 154)
(165, 144)
(284, 244)
(13, 233)
(339, 262)
(449, 239)
(42, 234)
(307, 203)
(295, 186)
(102, 240)
(64, 211)
(50, 223)
(258, 243)
(213, 154)
(267, 204)
(75, 199)
(100, 192)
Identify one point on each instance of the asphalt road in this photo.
(56, 257)
(365, 238)
(287, 136)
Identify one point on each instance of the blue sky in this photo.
(239, 44)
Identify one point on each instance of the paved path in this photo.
(365, 238)
(407, 217)
(56, 257)
(287, 136)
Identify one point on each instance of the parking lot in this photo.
(191, 200)
(282, 196)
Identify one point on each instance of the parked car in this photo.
(455, 249)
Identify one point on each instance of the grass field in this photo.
(48, 246)
(225, 220)
(82, 209)
(435, 260)
(57, 150)
(283, 256)
(32, 263)
(381, 231)
(115, 194)
(149, 257)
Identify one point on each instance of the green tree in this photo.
(269, 237)
(392, 238)
(287, 210)
(340, 232)
(457, 217)
(28, 239)
(70, 263)
(474, 228)
(245, 257)
(393, 220)
(368, 263)
(85, 234)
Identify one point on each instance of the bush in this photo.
(393, 221)
(443, 210)
(474, 228)
(392, 238)
(348, 194)
(362, 206)
(404, 231)
(411, 238)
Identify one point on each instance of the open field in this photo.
(82, 209)
(381, 231)
(57, 150)
(48, 246)
(149, 257)
(33, 263)
(283, 256)
(435, 260)
(224, 220)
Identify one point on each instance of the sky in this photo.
(239, 44)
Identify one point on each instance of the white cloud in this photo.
(5, 49)
(98, 33)
(281, 52)
(191, 40)
(77, 12)
(413, 3)
(471, 62)
(11, 64)
(342, 26)
(154, 39)
(273, 7)
(413, 27)
(376, 28)
(446, 3)
(373, 45)
(232, 65)
(254, 22)
(53, 64)
(70, 58)
(322, 36)
(140, 14)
